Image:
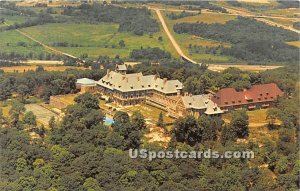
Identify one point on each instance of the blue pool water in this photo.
(108, 120)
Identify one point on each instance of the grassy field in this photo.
(21, 69)
(96, 40)
(42, 114)
(9, 43)
(257, 118)
(184, 40)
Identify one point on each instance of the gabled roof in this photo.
(257, 93)
(86, 81)
(201, 102)
(121, 67)
(137, 82)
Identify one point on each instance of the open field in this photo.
(43, 62)
(42, 114)
(184, 40)
(94, 39)
(254, 68)
(21, 69)
(10, 42)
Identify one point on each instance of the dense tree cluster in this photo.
(288, 4)
(149, 54)
(134, 20)
(254, 41)
(43, 83)
(182, 14)
(16, 56)
(81, 153)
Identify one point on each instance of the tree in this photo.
(15, 111)
(187, 130)
(122, 43)
(91, 184)
(239, 122)
(138, 121)
(160, 121)
(23, 91)
(1, 117)
(209, 128)
(29, 118)
(40, 69)
(160, 38)
(228, 134)
(87, 100)
(52, 123)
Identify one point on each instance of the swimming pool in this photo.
(108, 120)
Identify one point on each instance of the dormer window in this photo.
(149, 86)
(267, 93)
(176, 86)
(260, 94)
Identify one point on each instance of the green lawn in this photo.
(95, 39)
(9, 43)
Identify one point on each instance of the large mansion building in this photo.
(130, 89)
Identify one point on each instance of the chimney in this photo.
(165, 80)
(107, 71)
(138, 78)
(155, 77)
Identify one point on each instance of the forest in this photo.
(137, 21)
(182, 14)
(254, 41)
(149, 54)
(81, 153)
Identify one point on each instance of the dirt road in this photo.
(173, 41)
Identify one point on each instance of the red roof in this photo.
(257, 93)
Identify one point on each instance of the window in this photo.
(240, 101)
(259, 98)
(233, 101)
(226, 102)
(260, 94)
(267, 93)
(149, 86)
